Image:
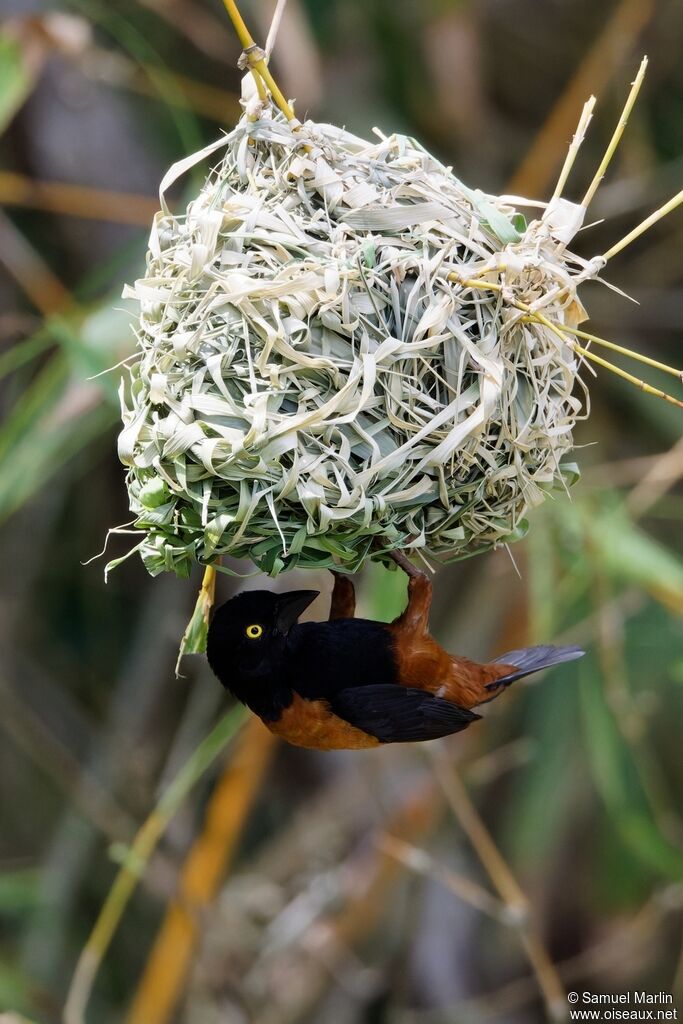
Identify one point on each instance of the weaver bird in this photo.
(351, 683)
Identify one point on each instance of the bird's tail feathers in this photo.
(533, 659)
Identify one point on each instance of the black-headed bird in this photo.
(352, 683)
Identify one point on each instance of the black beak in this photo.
(290, 606)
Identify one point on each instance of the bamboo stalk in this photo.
(257, 59)
(618, 132)
(644, 226)
(575, 146)
(643, 385)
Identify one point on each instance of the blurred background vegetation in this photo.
(354, 886)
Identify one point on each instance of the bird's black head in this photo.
(247, 637)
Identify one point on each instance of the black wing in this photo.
(399, 714)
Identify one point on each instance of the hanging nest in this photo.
(343, 350)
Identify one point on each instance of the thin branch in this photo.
(618, 132)
(406, 564)
(575, 146)
(641, 228)
(275, 26)
(422, 863)
(257, 59)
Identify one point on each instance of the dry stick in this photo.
(663, 473)
(505, 882)
(618, 132)
(592, 962)
(422, 863)
(406, 564)
(138, 856)
(575, 146)
(275, 26)
(168, 964)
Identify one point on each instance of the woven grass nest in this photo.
(344, 350)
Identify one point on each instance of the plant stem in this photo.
(638, 356)
(167, 966)
(406, 564)
(618, 132)
(644, 225)
(256, 58)
(572, 152)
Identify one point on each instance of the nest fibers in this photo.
(337, 354)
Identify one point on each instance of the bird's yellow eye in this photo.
(254, 631)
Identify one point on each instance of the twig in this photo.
(590, 963)
(418, 860)
(644, 225)
(275, 26)
(257, 59)
(504, 881)
(575, 146)
(618, 132)
(661, 475)
(406, 564)
(138, 856)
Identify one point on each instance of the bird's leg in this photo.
(415, 618)
(343, 605)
